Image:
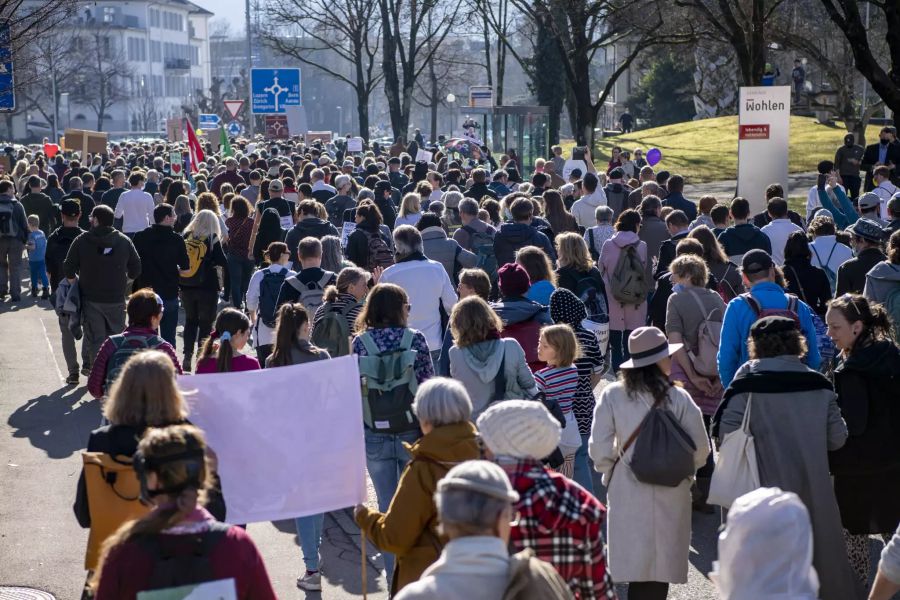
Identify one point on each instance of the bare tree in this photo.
(28, 21)
(408, 47)
(312, 31)
(101, 77)
(881, 70)
(495, 21)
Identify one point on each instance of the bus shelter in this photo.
(520, 128)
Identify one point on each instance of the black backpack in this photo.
(180, 560)
(269, 288)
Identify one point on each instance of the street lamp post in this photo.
(451, 98)
(340, 119)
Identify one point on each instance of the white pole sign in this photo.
(763, 131)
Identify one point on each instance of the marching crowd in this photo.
(485, 308)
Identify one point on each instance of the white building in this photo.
(163, 46)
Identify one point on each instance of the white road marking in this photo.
(52, 353)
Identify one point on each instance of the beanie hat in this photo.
(513, 280)
(519, 429)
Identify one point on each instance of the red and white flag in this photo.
(196, 151)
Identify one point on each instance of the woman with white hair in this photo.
(199, 284)
(409, 527)
(475, 507)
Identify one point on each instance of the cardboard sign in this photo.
(355, 144)
(173, 130)
(85, 141)
(312, 136)
(423, 156)
(348, 228)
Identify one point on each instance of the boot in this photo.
(45, 294)
(186, 363)
(34, 291)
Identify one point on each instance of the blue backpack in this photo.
(269, 288)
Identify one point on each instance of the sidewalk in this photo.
(798, 185)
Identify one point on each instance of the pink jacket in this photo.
(622, 317)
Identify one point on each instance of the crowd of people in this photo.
(498, 303)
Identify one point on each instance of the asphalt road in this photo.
(45, 425)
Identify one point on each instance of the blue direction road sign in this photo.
(7, 93)
(208, 121)
(235, 129)
(273, 89)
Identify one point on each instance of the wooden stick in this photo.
(362, 552)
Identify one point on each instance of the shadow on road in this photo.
(57, 423)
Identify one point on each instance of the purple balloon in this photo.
(653, 156)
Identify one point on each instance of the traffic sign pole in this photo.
(249, 67)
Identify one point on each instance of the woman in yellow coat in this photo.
(409, 527)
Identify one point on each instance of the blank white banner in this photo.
(289, 439)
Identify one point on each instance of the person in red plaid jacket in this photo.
(558, 519)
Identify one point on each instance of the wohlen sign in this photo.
(763, 135)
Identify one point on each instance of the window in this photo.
(154, 17)
(155, 51)
(195, 56)
(156, 85)
(137, 50)
(109, 13)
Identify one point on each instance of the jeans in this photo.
(385, 460)
(618, 343)
(169, 322)
(240, 269)
(100, 320)
(70, 353)
(262, 353)
(11, 267)
(309, 530)
(199, 314)
(583, 476)
(38, 270)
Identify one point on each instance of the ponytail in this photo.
(347, 277)
(876, 322)
(331, 294)
(228, 323)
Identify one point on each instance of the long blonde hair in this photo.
(412, 203)
(205, 224)
(145, 393)
(159, 443)
(572, 251)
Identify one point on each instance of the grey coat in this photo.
(448, 252)
(793, 432)
(477, 366)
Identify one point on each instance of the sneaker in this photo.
(186, 365)
(86, 371)
(72, 379)
(310, 582)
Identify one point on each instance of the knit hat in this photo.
(519, 429)
(867, 229)
(479, 476)
(566, 307)
(513, 280)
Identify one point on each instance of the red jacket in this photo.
(97, 379)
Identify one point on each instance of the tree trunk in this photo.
(434, 99)
(389, 64)
(485, 28)
(362, 112)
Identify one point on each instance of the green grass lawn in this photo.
(706, 150)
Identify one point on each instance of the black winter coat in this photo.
(809, 283)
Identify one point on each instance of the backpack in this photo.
(113, 493)
(703, 357)
(379, 252)
(832, 276)
(8, 226)
(196, 251)
(311, 294)
(595, 254)
(617, 200)
(629, 281)
(725, 289)
(125, 345)
(593, 297)
(663, 450)
(823, 342)
(482, 244)
(389, 385)
(790, 312)
(183, 559)
(269, 289)
(332, 332)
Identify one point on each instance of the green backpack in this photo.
(332, 332)
(389, 385)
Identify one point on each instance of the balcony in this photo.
(177, 64)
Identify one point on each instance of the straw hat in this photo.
(647, 346)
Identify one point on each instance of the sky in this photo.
(232, 10)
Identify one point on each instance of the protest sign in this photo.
(423, 156)
(763, 127)
(355, 144)
(289, 439)
(348, 228)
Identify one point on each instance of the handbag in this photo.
(737, 470)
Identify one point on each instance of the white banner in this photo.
(764, 128)
(289, 439)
